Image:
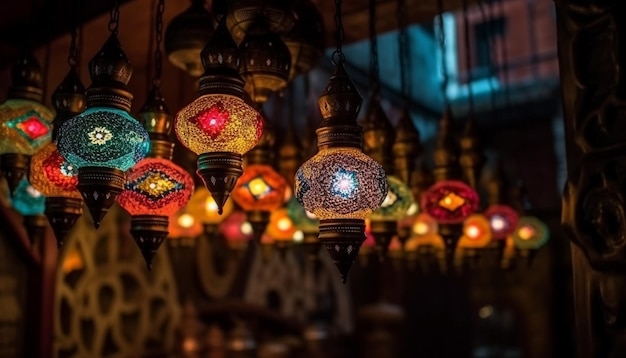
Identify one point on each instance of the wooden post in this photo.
(592, 60)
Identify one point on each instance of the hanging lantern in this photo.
(259, 191)
(530, 234)
(56, 179)
(25, 123)
(31, 204)
(204, 208)
(340, 184)
(155, 188)
(265, 62)
(476, 232)
(186, 35)
(183, 225)
(104, 141)
(243, 13)
(237, 231)
(306, 39)
(503, 220)
(450, 201)
(307, 223)
(281, 228)
(219, 125)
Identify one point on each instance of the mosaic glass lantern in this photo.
(476, 232)
(530, 233)
(281, 228)
(340, 184)
(219, 125)
(56, 179)
(183, 225)
(25, 123)
(104, 141)
(503, 220)
(259, 191)
(450, 201)
(155, 189)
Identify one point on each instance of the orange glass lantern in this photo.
(184, 225)
(476, 232)
(281, 228)
(204, 208)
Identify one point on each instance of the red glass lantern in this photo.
(450, 201)
(154, 190)
(503, 220)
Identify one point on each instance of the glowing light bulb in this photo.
(186, 221)
(423, 225)
(260, 188)
(204, 208)
(420, 228)
(284, 224)
(298, 236)
(526, 232)
(211, 205)
(503, 220)
(498, 223)
(531, 233)
(476, 232)
(450, 201)
(472, 232)
(246, 228)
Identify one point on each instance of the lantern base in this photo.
(342, 239)
(14, 167)
(311, 246)
(259, 220)
(35, 227)
(99, 188)
(383, 232)
(219, 172)
(62, 214)
(149, 231)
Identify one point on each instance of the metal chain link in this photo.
(114, 22)
(442, 43)
(340, 35)
(403, 50)
(158, 55)
(374, 70)
(468, 58)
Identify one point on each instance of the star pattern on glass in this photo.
(30, 126)
(451, 201)
(100, 136)
(213, 120)
(154, 185)
(344, 183)
(258, 187)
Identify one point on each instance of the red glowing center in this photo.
(53, 167)
(213, 120)
(33, 127)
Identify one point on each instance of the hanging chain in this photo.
(468, 58)
(374, 70)
(72, 58)
(158, 55)
(339, 34)
(442, 43)
(114, 22)
(403, 50)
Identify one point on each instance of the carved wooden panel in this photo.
(107, 303)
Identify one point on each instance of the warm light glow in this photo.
(258, 188)
(503, 220)
(472, 232)
(424, 224)
(530, 234)
(246, 228)
(526, 232)
(280, 226)
(397, 203)
(476, 232)
(73, 261)
(186, 221)
(498, 223)
(485, 312)
(450, 201)
(420, 228)
(204, 208)
(284, 224)
(211, 205)
(298, 236)
(412, 209)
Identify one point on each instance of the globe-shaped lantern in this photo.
(56, 179)
(219, 125)
(186, 35)
(503, 220)
(306, 39)
(476, 232)
(450, 201)
(340, 184)
(104, 141)
(278, 14)
(530, 233)
(183, 225)
(155, 189)
(31, 204)
(281, 228)
(266, 62)
(259, 191)
(25, 123)
(204, 208)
